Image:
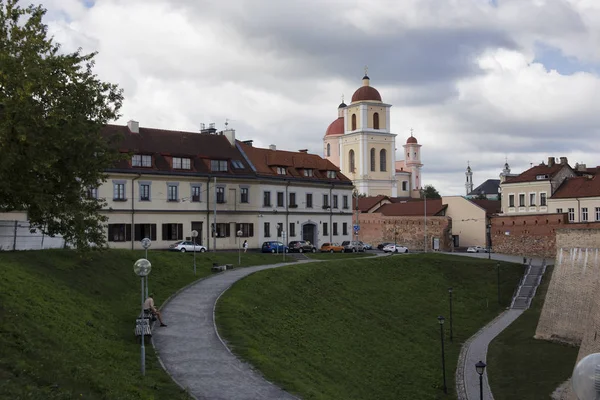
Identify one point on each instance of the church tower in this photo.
(412, 151)
(469, 182)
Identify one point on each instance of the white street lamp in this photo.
(194, 236)
(586, 378)
(239, 235)
(142, 268)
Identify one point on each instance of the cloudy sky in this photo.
(477, 80)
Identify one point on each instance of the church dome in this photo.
(411, 140)
(366, 92)
(336, 127)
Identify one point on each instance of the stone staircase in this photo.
(528, 286)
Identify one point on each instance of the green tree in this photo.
(52, 107)
(431, 192)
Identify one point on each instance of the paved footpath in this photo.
(194, 355)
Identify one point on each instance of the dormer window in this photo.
(218, 165)
(237, 164)
(139, 160)
(540, 177)
(181, 163)
(331, 174)
(308, 172)
(281, 171)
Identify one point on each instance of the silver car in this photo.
(184, 246)
(353, 246)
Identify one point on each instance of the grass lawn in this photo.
(521, 367)
(337, 256)
(67, 322)
(362, 329)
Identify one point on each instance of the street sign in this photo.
(356, 228)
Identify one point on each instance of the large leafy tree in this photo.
(52, 108)
(431, 192)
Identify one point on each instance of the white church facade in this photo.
(361, 144)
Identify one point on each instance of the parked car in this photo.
(382, 245)
(184, 246)
(274, 247)
(395, 248)
(367, 246)
(301, 246)
(331, 248)
(353, 246)
(477, 249)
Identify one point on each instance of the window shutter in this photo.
(138, 232)
(128, 232)
(179, 231)
(251, 230)
(228, 230)
(153, 232)
(110, 232)
(165, 232)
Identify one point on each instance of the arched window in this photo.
(351, 160)
(376, 121)
(353, 122)
(382, 160)
(372, 159)
(328, 150)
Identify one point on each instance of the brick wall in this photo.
(376, 228)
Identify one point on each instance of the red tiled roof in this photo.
(164, 144)
(579, 186)
(367, 203)
(413, 208)
(336, 127)
(490, 206)
(266, 162)
(531, 174)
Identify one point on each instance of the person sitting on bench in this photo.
(150, 309)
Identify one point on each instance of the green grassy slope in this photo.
(521, 367)
(66, 322)
(361, 329)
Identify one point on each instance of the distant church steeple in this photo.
(469, 182)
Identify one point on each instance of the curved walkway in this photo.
(192, 352)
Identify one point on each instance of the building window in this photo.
(373, 161)
(292, 201)
(309, 200)
(172, 231)
(247, 229)
(376, 121)
(196, 191)
(280, 198)
(266, 199)
(243, 195)
(237, 164)
(345, 202)
(139, 160)
(221, 195)
(292, 232)
(584, 214)
(597, 213)
(279, 229)
(328, 150)
(144, 192)
(223, 230)
(353, 122)
(521, 200)
(559, 211)
(119, 191)
(532, 199)
(325, 229)
(331, 174)
(543, 199)
(335, 230)
(383, 160)
(172, 193)
(181, 163)
(511, 200)
(344, 228)
(142, 231)
(571, 214)
(308, 172)
(351, 161)
(218, 165)
(325, 201)
(335, 201)
(119, 232)
(267, 228)
(405, 185)
(92, 193)
(281, 171)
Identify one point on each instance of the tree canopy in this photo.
(431, 192)
(52, 108)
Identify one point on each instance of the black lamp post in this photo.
(450, 298)
(498, 273)
(480, 368)
(441, 321)
(489, 241)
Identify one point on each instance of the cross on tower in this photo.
(342, 97)
(366, 70)
(411, 131)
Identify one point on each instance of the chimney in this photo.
(248, 142)
(303, 150)
(563, 161)
(581, 167)
(230, 135)
(210, 130)
(272, 147)
(551, 161)
(134, 126)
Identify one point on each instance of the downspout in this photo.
(207, 214)
(578, 209)
(331, 213)
(133, 210)
(287, 213)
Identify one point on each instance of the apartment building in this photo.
(175, 182)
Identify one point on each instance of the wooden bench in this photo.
(142, 324)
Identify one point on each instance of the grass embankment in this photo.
(337, 256)
(362, 329)
(67, 322)
(521, 367)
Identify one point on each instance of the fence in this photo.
(18, 235)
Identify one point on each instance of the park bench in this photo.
(142, 324)
(218, 268)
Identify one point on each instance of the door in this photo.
(197, 226)
(455, 240)
(309, 232)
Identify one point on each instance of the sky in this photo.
(479, 81)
